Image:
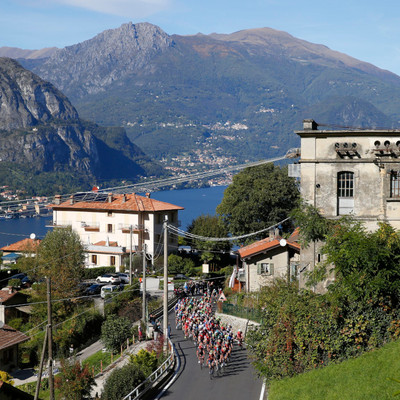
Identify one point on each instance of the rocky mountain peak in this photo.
(109, 56)
(26, 100)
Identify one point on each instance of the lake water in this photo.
(195, 201)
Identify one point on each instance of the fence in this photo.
(159, 372)
(242, 312)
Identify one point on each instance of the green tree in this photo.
(115, 331)
(74, 381)
(313, 226)
(121, 382)
(366, 264)
(145, 361)
(257, 198)
(61, 257)
(210, 226)
(180, 265)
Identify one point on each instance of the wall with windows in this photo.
(94, 226)
(262, 269)
(354, 172)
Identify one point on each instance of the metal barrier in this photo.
(147, 384)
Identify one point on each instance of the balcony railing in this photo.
(135, 228)
(58, 224)
(90, 227)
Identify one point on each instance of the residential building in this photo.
(11, 297)
(349, 171)
(12, 252)
(268, 259)
(112, 225)
(10, 338)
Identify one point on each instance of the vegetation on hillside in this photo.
(302, 330)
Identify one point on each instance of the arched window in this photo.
(345, 192)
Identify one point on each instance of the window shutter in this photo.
(259, 269)
(271, 268)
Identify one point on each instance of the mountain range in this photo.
(214, 99)
(42, 135)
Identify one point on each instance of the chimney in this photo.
(71, 199)
(148, 194)
(124, 198)
(57, 199)
(110, 197)
(271, 233)
(310, 125)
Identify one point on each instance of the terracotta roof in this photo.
(268, 244)
(257, 247)
(6, 295)
(10, 337)
(133, 203)
(22, 245)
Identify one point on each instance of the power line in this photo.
(230, 238)
(147, 185)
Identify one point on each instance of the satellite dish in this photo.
(282, 242)
(32, 236)
(1, 324)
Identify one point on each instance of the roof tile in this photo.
(132, 202)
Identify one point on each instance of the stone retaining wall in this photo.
(237, 323)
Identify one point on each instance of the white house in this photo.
(111, 225)
(268, 259)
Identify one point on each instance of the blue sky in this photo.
(364, 29)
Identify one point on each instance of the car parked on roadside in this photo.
(108, 278)
(93, 289)
(108, 289)
(123, 277)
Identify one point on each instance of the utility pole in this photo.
(165, 313)
(50, 339)
(39, 379)
(130, 257)
(144, 314)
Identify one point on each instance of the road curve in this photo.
(239, 380)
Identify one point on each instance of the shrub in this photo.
(74, 382)
(121, 382)
(145, 361)
(115, 331)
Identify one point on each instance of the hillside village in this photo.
(289, 290)
(343, 173)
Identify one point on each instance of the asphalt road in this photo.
(239, 380)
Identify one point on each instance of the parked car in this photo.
(123, 277)
(181, 276)
(108, 289)
(93, 289)
(108, 278)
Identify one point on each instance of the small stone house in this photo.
(268, 259)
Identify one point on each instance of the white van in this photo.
(108, 289)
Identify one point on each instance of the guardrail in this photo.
(159, 372)
(158, 312)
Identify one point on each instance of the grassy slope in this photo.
(363, 378)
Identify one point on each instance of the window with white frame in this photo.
(395, 184)
(345, 192)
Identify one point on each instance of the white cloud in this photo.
(124, 8)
